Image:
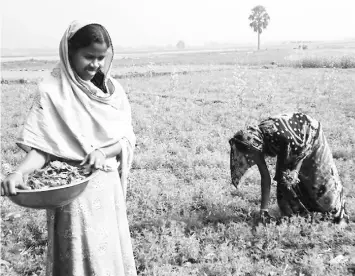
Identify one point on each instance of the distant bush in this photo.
(22, 81)
(19, 81)
(303, 46)
(325, 62)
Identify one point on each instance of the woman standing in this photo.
(306, 175)
(81, 115)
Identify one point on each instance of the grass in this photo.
(343, 62)
(185, 216)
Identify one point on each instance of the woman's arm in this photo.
(96, 159)
(299, 165)
(286, 172)
(34, 160)
(259, 159)
(113, 150)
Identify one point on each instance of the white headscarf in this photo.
(86, 86)
(68, 119)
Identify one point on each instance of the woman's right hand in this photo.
(11, 182)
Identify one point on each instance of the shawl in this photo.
(251, 138)
(69, 119)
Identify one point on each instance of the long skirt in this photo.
(319, 188)
(90, 236)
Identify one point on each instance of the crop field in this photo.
(185, 216)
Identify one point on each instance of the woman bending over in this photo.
(306, 175)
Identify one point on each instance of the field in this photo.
(185, 216)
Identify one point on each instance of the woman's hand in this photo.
(294, 176)
(94, 160)
(34, 160)
(265, 217)
(290, 178)
(11, 182)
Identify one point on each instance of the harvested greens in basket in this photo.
(56, 174)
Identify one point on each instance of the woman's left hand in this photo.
(290, 178)
(94, 160)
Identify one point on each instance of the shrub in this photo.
(325, 62)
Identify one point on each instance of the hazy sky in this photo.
(41, 23)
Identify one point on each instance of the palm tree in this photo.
(259, 20)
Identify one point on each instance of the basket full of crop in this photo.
(56, 174)
(53, 186)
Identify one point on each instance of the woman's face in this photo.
(87, 61)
